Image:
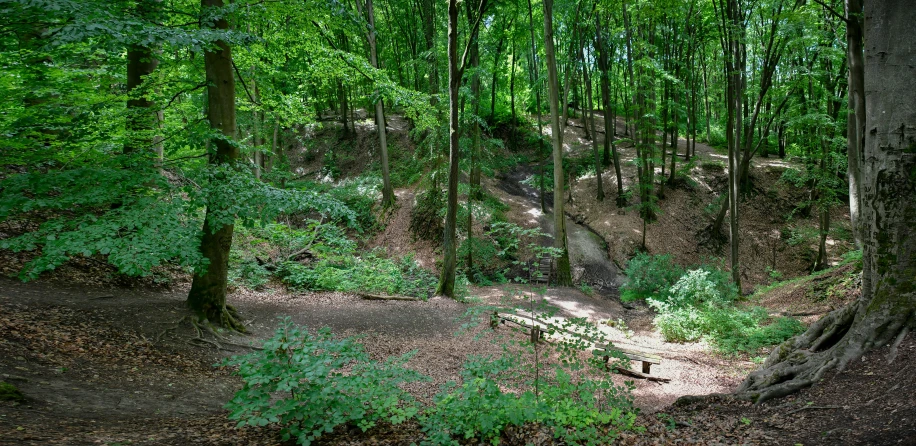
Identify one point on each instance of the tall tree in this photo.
(563, 272)
(886, 309)
(446, 286)
(207, 297)
(371, 35)
(731, 30)
(855, 120)
(610, 124)
(142, 62)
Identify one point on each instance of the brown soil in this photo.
(89, 363)
(766, 216)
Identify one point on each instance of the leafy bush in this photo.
(484, 257)
(370, 273)
(484, 405)
(697, 308)
(427, 216)
(649, 276)
(309, 383)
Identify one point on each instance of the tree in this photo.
(855, 120)
(731, 29)
(446, 286)
(886, 310)
(387, 190)
(564, 275)
(141, 62)
(207, 297)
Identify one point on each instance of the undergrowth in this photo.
(309, 383)
(701, 304)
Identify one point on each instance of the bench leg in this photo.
(645, 367)
(535, 334)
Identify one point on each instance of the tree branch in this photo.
(250, 97)
(471, 36)
(833, 11)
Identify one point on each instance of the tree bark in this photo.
(446, 285)
(142, 117)
(591, 118)
(533, 72)
(207, 297)
(886, 310)
(387, 190)
(474, 59)
(855, 120)
(564, 275)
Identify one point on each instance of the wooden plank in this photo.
(639, 356)
(635, 374)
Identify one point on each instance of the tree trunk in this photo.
(142, 118)
(387, 190)
(474, 59)
(886, 310)
(446, 285)
(564, 275)
(512, 91)
(591, 118)
(855, 121)
(207, 297)
(533, 72)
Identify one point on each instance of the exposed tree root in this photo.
(831, 343)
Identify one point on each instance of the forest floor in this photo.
(108, 365)
(103, 363)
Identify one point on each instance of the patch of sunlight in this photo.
(534, 212)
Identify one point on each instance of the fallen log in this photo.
(368, 296)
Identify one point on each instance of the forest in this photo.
(457, 222)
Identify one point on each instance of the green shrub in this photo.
(584, 410)
(698, 308)
(484, 256)
(9, 392)
(310, 383)
(248, 273)
(649, 276)
(427, 215)
(370, 273)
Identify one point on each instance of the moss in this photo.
(9, 392)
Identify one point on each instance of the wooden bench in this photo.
(538, 328)
(647, 359)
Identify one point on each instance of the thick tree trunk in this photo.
(446, 285)
(207, 297)
(564, 275)
(886, 310)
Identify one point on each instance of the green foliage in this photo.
(309, 383)
(406, 167)
(484, 252)
(574, 395)
(360, 195)
(649, 275)
(586, 410)
(9, 392)
(370, 273)
(427, 215)
(700, 306)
